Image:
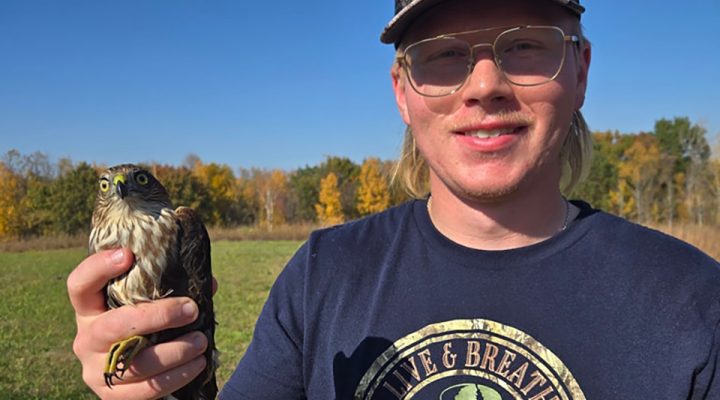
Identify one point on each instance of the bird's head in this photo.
(129, 186)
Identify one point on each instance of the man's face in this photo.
(452, 131)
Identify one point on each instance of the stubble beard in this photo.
(484, 194)
(472, 192)
(478, 192)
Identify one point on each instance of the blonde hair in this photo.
(411, 171)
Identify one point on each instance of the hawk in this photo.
(172, 258)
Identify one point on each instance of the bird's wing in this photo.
(194, 257)
(194, 252)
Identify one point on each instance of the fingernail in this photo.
(199, 341)
(189, 309)
(200, 364)
(117, 256)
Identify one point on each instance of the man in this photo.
(494, 286)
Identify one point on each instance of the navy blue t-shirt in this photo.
(388, 308)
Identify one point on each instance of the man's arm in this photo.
(158, 370)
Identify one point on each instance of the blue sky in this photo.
(283, 84)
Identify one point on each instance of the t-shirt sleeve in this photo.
(272, 366)
(707, 380)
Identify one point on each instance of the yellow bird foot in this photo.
(120, 357)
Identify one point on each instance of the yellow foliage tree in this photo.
(272, 190)
(372, 193)
(248, 194)
(640, 171)
(329, 209)
(622, 200)
(220, 183)
(10, 217)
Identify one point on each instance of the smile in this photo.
(486, 134)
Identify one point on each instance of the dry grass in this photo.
(706, 238)
(283, 232)
(56, 242)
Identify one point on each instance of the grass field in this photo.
(37, 325)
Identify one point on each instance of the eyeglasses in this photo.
(526, 55)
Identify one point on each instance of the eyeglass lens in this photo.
(527, 56)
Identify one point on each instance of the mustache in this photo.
(501, 117)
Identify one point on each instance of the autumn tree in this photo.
(305, 184)
(220, 183)
(372, 192)
(36, 206)
(248, 200)
(305, 192)
(685, 152)
(10, 195)
(329, 208)
(347, 173)
(683, 141)
(622, 200)
(31, 176)
(639, 171)
(72, 198)
(272, 194)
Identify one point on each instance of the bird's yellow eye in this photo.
(104, 185)
(142, 179)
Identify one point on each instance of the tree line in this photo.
(666, 176)
(39, 198)
(661, 177)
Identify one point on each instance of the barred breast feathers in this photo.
(152, 237)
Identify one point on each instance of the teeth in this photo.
(485, 134)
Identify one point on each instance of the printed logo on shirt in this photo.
(468, 360)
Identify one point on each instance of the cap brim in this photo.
(396, 27)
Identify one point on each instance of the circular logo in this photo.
(468, 360)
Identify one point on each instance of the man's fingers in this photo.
(176, 378)
(142, 319)
(164, 356)
(86, 282)
(157, 386)
(214, 286)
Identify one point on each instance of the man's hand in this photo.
(156, 371)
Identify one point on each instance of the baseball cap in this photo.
(407, 10)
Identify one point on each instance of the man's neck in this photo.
(512, 222)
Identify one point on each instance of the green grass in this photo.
(37, 324)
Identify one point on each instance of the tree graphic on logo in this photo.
(470, 391)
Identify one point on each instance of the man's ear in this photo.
(399, 82)
(583, 67)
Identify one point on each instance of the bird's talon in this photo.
(108, 380)
(120, 357)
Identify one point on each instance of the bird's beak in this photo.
(120, 186)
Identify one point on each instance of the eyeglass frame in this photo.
(401, 58)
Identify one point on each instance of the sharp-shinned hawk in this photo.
(172, 258)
